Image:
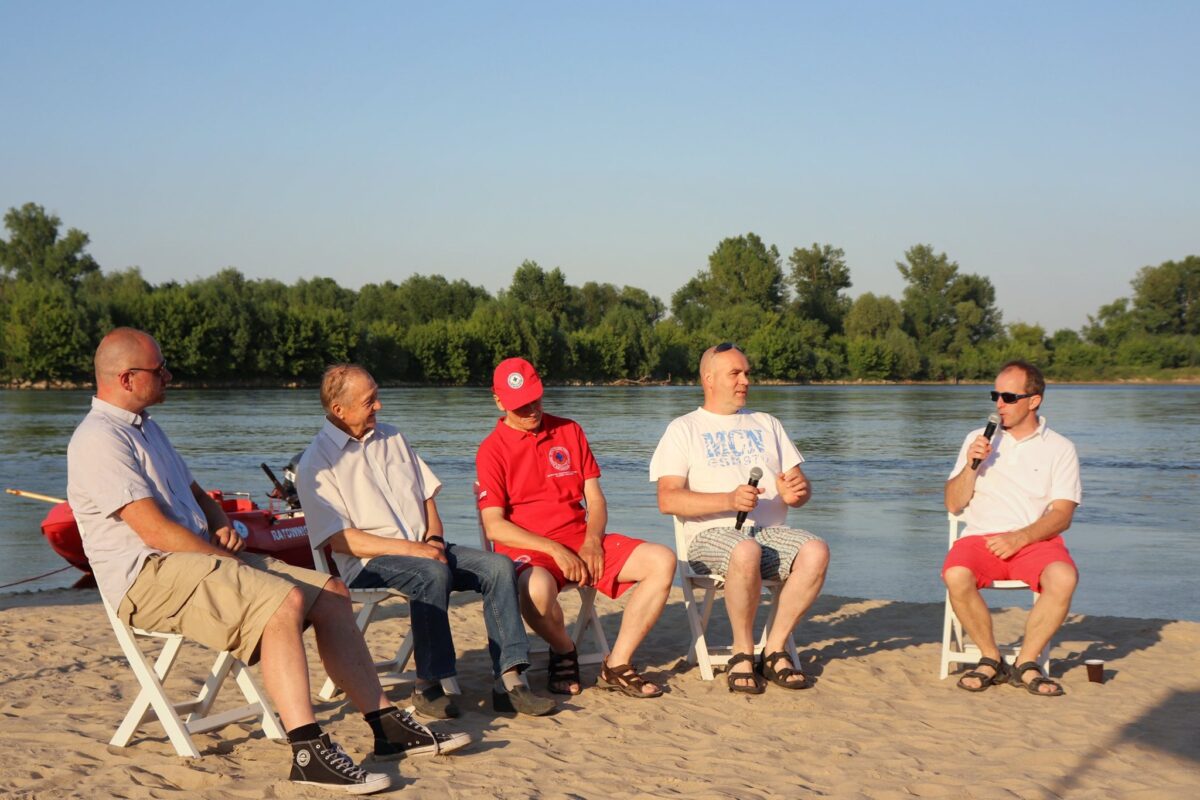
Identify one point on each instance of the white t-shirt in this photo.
(715, 453)
(1019, 480)
(377, 484)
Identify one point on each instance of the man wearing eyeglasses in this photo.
(166, 560)
(1018, 493)
(701, 466)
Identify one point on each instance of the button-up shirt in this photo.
(376, 484)
(116, 457)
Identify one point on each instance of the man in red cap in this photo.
(542, 506)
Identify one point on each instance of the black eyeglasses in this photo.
(159, 371)
(1009, 397)
(724, 346)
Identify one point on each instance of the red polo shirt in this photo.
(537, 478)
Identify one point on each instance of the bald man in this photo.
(702, 466)
(166, 559)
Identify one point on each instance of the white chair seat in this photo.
(957, 648)
(700, 651)
(152, 700)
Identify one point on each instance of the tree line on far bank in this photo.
(792, 317)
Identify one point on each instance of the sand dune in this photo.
(878, 723)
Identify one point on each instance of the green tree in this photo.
(819, 276)
(742, 271)
(34, 251)
(873, 316)
(1166, 298)
(44, 333)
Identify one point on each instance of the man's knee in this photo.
(539, 586)
(1059, 580)
(659, 561)
(498, 569)
(336, 587)
(433, 580)
(812, 559)
(745, 558)
(291, 610)
(959, 579)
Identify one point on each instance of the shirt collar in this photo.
(118, 413)
(1039, 433)
(339, 437)
(514, 435)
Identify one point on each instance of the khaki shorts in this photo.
(221, 603)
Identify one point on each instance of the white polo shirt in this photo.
(1020, 479)
(116, 457)
(378, 485)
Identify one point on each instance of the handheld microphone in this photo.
(993, 421)
(755, 476)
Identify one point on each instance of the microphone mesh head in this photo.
(993, 418)
(756, 474)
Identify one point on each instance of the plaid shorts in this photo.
(708, 553)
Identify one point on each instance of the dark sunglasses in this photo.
(725, 346)
(1009, 397)
(158, 371)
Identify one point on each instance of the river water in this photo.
(877, 457)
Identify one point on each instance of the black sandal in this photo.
(1000, 676)
(780, 677)
(624, 678)
(1034, 685)
(563, 670)
(732, 678)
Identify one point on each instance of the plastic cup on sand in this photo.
(1095, 668)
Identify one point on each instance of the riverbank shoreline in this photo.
(878, 723)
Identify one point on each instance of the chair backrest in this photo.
(681, 545)
(957, 524)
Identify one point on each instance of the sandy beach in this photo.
(878, 723)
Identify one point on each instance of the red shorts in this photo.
(617, 550)
(1027, 565)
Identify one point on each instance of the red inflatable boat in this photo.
(277, 532)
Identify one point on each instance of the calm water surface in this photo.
(877, 457)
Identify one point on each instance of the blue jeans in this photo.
(427, 585)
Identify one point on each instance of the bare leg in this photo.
(652, 567)
(1058, 582)
(973, 613)
(743, 587)
(284, 667)
(538, 593)
(799, 592)
(343, 650)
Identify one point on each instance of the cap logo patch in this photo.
(560, 459)
(515, 380)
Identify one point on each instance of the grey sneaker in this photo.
(320, 762)
(433, 702)
(521, 700)
(407, 737)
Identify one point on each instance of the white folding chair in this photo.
(152, 699)
(393, 670)
(956, 645)
(587, 623)
(698, 611)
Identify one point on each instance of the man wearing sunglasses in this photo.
(166, 559)
(1018, 492)
(701, 466)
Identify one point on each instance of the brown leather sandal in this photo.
(625, 679)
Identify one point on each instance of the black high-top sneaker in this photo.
(407, 737)
(320, 762)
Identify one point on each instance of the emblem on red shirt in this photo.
(560, 459)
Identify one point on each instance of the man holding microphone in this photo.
(1018, 492)
(735, 528)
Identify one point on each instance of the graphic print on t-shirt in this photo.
(734, 448)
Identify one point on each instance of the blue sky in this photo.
(1049, 146)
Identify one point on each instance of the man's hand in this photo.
(572, 566)
(1006, 545)
(980, 449)
(592, 554)
(745, 497)
(793, 487)
(228, 538)
(428, 550)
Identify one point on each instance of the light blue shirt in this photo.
(116, 457)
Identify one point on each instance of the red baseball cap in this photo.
(516, 383)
